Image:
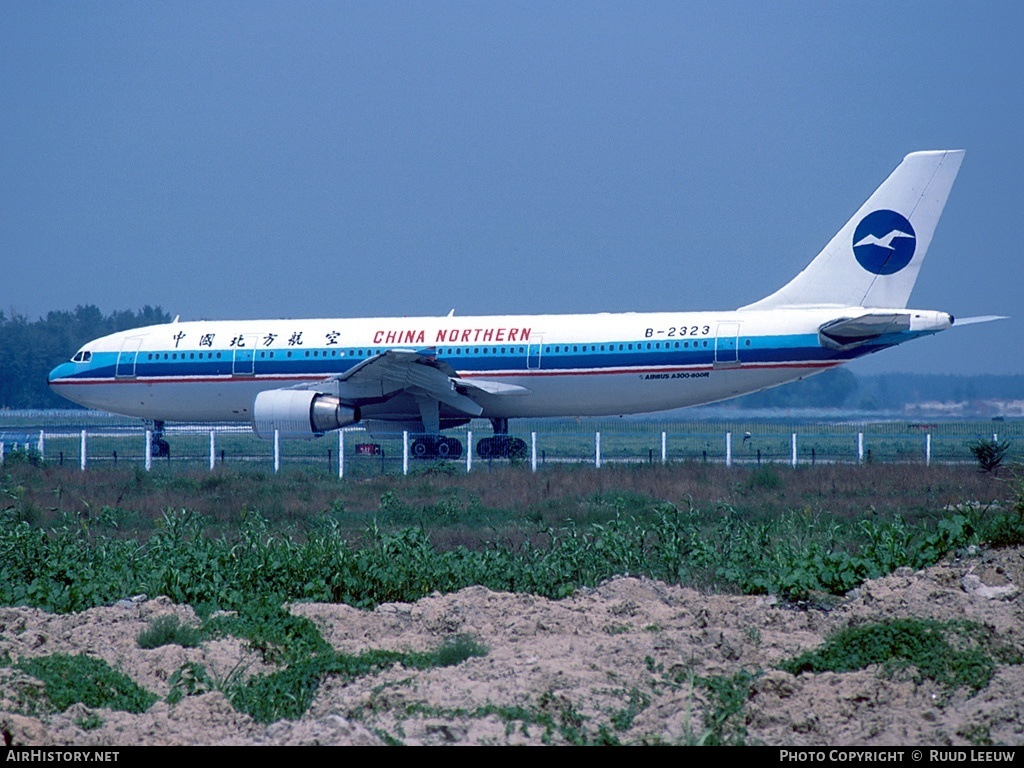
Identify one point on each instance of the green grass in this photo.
(71, 679)
(807, 535)
(799, 555)
(168, 630)
(952, 654)
(305, 660)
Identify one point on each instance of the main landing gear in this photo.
(436, 448)
(501, 446)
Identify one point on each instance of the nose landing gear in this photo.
(159, 448)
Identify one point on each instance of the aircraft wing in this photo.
(415, 372)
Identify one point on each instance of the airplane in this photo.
(304, 378)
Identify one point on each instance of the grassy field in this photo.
(71, 540)
(251, 542)
(498, 501)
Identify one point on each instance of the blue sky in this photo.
(254, 159)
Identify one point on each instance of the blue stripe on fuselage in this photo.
(765, 350)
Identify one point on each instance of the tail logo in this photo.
(884, 242)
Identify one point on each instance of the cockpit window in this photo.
(82, 356)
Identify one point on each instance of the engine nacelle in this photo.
(297, 413)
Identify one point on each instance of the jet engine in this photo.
(297, 413)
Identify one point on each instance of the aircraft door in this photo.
(727, 347)
(533, 354)
(128, 357)
(243, 362)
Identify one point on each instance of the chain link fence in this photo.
(93, 440)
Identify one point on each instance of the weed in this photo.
(797, 555)
(977, 734)
(27, 456)
(294, 642)
(952, 654)
(723, 718)
(989, 454)
(1008, 530)
(168, 630)
(458, 649)
(764, 478)
(71, 679)
(89, 722)
(190, 679)
(278, 636)
(636, 702)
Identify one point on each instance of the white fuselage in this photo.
(559, 365)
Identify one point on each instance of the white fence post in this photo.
(469, 451)
(277, 450)
(860, 447)
(213, 450)
(928, 449)
(533, 451)
(597, 450)
(2, 449)
(664, 453)
(82, 462)
(42, 446)
(728, 449)
(793, 462)
(341, 453)
(405, 452)
(149, 448)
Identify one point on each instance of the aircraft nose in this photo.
(58, 373)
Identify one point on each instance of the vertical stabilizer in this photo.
(874, 260)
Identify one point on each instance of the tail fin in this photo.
(874, 260)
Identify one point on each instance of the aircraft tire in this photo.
(516, 448)
(448, 448)
(485, 448)
(423, 448)
(455, 451)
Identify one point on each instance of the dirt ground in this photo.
(624, 656)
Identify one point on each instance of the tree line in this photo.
(29, 350)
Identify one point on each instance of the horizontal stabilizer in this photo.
(979, 319)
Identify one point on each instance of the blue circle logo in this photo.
(884, 242)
